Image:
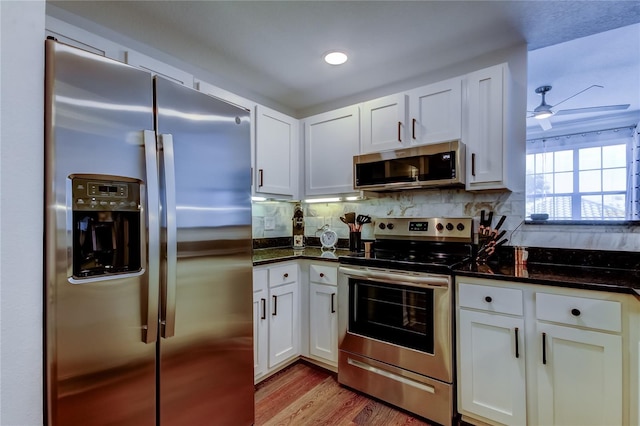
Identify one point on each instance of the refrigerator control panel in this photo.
(94, 194)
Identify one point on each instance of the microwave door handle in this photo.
(150, 329)
(168, 319)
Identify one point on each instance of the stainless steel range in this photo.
(395, 314)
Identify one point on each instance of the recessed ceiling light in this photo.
(335, 58)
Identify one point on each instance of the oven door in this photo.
(396, 317)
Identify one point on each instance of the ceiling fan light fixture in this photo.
(335, 57)
(542, 113)
(543, 110)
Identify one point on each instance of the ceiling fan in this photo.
(543, 111)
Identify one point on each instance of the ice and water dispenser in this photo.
(106, 226)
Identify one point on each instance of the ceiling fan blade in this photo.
(573, 96)
(586, 110)
(545, 123)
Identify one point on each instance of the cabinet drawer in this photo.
(323, 274)
(579, 311)
(260, 277)
(493, 299)
(284, 274)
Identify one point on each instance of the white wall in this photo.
(21, 212)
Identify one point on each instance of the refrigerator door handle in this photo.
(150, 329)
(169, 291)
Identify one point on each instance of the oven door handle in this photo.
(424, 281)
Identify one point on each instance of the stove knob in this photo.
(439, 227)
(460, 227)
(382, 225)
(389, 225)
(449, 226)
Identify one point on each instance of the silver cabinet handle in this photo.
(168, 315)
(150, 329)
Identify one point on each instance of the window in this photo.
(582, 176)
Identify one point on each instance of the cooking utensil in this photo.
(350, 217)
(363, 218)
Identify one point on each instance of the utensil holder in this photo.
(355, 238)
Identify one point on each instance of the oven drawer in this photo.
(579, 311)
(489, 298)
(421, 395)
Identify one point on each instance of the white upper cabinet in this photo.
(384, 123)
(158, 68)
(489, 153)
(276, 152)
(435, 112)
(331, 141)
(427, 114)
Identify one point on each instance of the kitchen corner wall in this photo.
(446, 203)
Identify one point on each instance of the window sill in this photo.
(584, 222)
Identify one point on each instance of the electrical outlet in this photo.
(269, 223)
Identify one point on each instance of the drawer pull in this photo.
(544, 348)
(575, 312)
(488, 299)
(517, 346)
(286, 275)
(321, 274)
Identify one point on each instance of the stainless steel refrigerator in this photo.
(148, 292)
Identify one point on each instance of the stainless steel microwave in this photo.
(435, 165)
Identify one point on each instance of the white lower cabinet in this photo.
(276, 310)
(579, 377)
(323, 314)
(492, 382)
(579, 371)
(493, 366)
(260, 322)
(283, 323)
(540, 355)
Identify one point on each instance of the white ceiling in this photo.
(274, 48)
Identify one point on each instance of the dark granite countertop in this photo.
(582, 277)
(280, 254)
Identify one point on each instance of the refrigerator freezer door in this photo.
(206, 354)
(99, 370)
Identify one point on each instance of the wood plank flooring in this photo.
(304, 394)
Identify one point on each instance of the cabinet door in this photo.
(492, 367)
(485, 132)
(579, 377)
(384, 124)
(276, 152)
(323, 322)
(435, 112)
(331, 141)
(283, 323)
(260, 329)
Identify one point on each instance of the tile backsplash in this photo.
(445, 203)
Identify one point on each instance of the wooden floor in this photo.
(307, 395)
